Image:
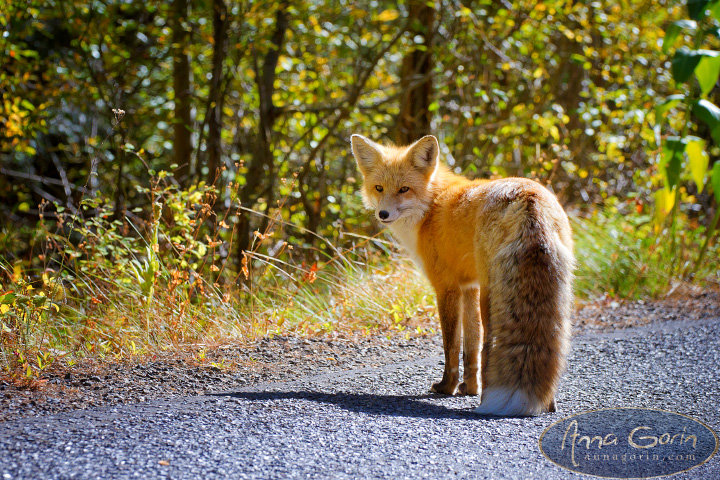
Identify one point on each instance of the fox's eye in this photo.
(404, 189)
(378, 188)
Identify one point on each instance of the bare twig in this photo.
(40, 179)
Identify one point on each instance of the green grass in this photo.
(628, 257)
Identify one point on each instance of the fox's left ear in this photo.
(424, 155)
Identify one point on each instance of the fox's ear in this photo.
(366, 152)
(424, 154)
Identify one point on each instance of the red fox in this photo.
(499, 254)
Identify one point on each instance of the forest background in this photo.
(178, 174)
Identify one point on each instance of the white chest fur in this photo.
(405, 231)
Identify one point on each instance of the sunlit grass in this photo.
(625, 257)
(105, 311)
(103, 304)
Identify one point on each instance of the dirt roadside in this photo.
(282, 358)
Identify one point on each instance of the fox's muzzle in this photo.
(387, 216)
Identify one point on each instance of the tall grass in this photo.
(95, 285)
(626, 256)
(110, 288)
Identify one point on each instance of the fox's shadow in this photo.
(385, 405)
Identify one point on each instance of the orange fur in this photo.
(499, 256)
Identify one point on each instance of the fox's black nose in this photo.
(383, 214)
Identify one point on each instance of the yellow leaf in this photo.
(664, 201)
(4, 309)
(699, 160)
(555, 133)
(17, 273)
(388, 15)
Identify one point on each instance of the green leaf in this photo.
(39, 300)
(27, 105)
(7, 299)
(674, 30)
(696, 8)
(684, 63)
(666, 105)
(698, 159)
(709, 113)
(715, 10)
(671, 161)
(707, 73)
(715, 181)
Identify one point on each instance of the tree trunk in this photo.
(262, 163)
(416, 83)
(181, 84)
(314, 206)
(216, 98)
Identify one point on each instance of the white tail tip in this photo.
(504, 402)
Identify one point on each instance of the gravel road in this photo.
(370, 423)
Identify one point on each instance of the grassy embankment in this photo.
(113, 289)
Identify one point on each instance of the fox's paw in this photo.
(446, 388)
(466, 388)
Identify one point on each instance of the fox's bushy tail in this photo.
(530, 305)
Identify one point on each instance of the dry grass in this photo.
(130, 287)
(165, 280)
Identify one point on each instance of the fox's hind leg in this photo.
(486, 337)
(472, 336)
(449, 307)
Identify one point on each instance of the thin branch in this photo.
(63, 175)
(38, 178)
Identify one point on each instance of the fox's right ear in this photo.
(366, 152)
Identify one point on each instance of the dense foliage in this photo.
(194, 154)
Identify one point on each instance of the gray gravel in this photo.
(178, 374)
(370, 423)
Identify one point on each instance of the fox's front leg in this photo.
(449, 305)
(472, 336)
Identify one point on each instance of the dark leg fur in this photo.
(449, 306)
